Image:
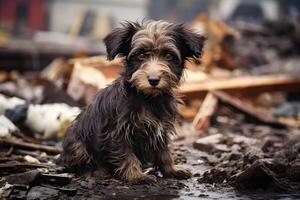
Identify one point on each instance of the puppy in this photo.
(130, 122)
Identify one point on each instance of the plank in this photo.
(243, 84)
(203, 118)
(32, 146)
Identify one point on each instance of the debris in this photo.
(258, 175)
(217, 49)
(20, 167)
(55, 70)
(208, 143)
(208, 108)
(4, 189)
(243, 84)
(56, 179)
(31, 159)
(57, 117)
(26, 145)
(39, 192)
(18, 192)
(7, 128)
(9, 103)
(248, 109)
(90, 75)
(288, 110)
(85, 82)
(25, 178)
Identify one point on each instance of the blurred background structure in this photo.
(44, 29)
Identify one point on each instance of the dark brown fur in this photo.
(130, 122)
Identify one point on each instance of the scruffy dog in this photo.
(130, 122)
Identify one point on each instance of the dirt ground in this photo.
(259, 162)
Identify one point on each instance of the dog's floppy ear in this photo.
(119, 40)
(189, 42)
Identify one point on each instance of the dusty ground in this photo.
(261, 163)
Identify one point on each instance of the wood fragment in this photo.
(32, 146)
(55, 69)
(90, 75)
(248, 109)
(18, 166)
(209, 106)
(243, 84)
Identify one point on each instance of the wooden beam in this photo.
(31, 146)
(243, 84)
(208, 108)
(248, 109)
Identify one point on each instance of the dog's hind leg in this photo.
(130, 170)
(167, 167)
(75, 155)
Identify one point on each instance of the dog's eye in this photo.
(142, 56)
(169, 56)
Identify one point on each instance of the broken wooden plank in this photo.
(18, 166)
(90, 75)
(209, 106)
(248, 109)
(55, 69)
(32, 146)
(243, 84)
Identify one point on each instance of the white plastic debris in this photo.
(9, 103)
(6, 127)
(50, 120)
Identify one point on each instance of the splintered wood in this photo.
(90, 75)
(248, 109)
(209, 106)
(243, 84)
(217, 49)
(31, 146)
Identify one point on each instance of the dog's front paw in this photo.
(145, 179)
(178, 173)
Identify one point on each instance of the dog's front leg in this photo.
(130, 169)
(167, 167)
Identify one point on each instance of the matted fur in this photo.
(130, 122)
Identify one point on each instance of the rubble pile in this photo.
(251, 156)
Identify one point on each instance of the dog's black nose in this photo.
(153, 80)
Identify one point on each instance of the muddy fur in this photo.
(130, 122)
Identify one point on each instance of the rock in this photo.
(293, 172)
(17, 192)
(213, 176)
(256, 176)
(5, 190)
(31, 159)
(210, 143)
(242, 139)
(25, 178)
(39, 193)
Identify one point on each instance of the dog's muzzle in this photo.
(153, 80)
